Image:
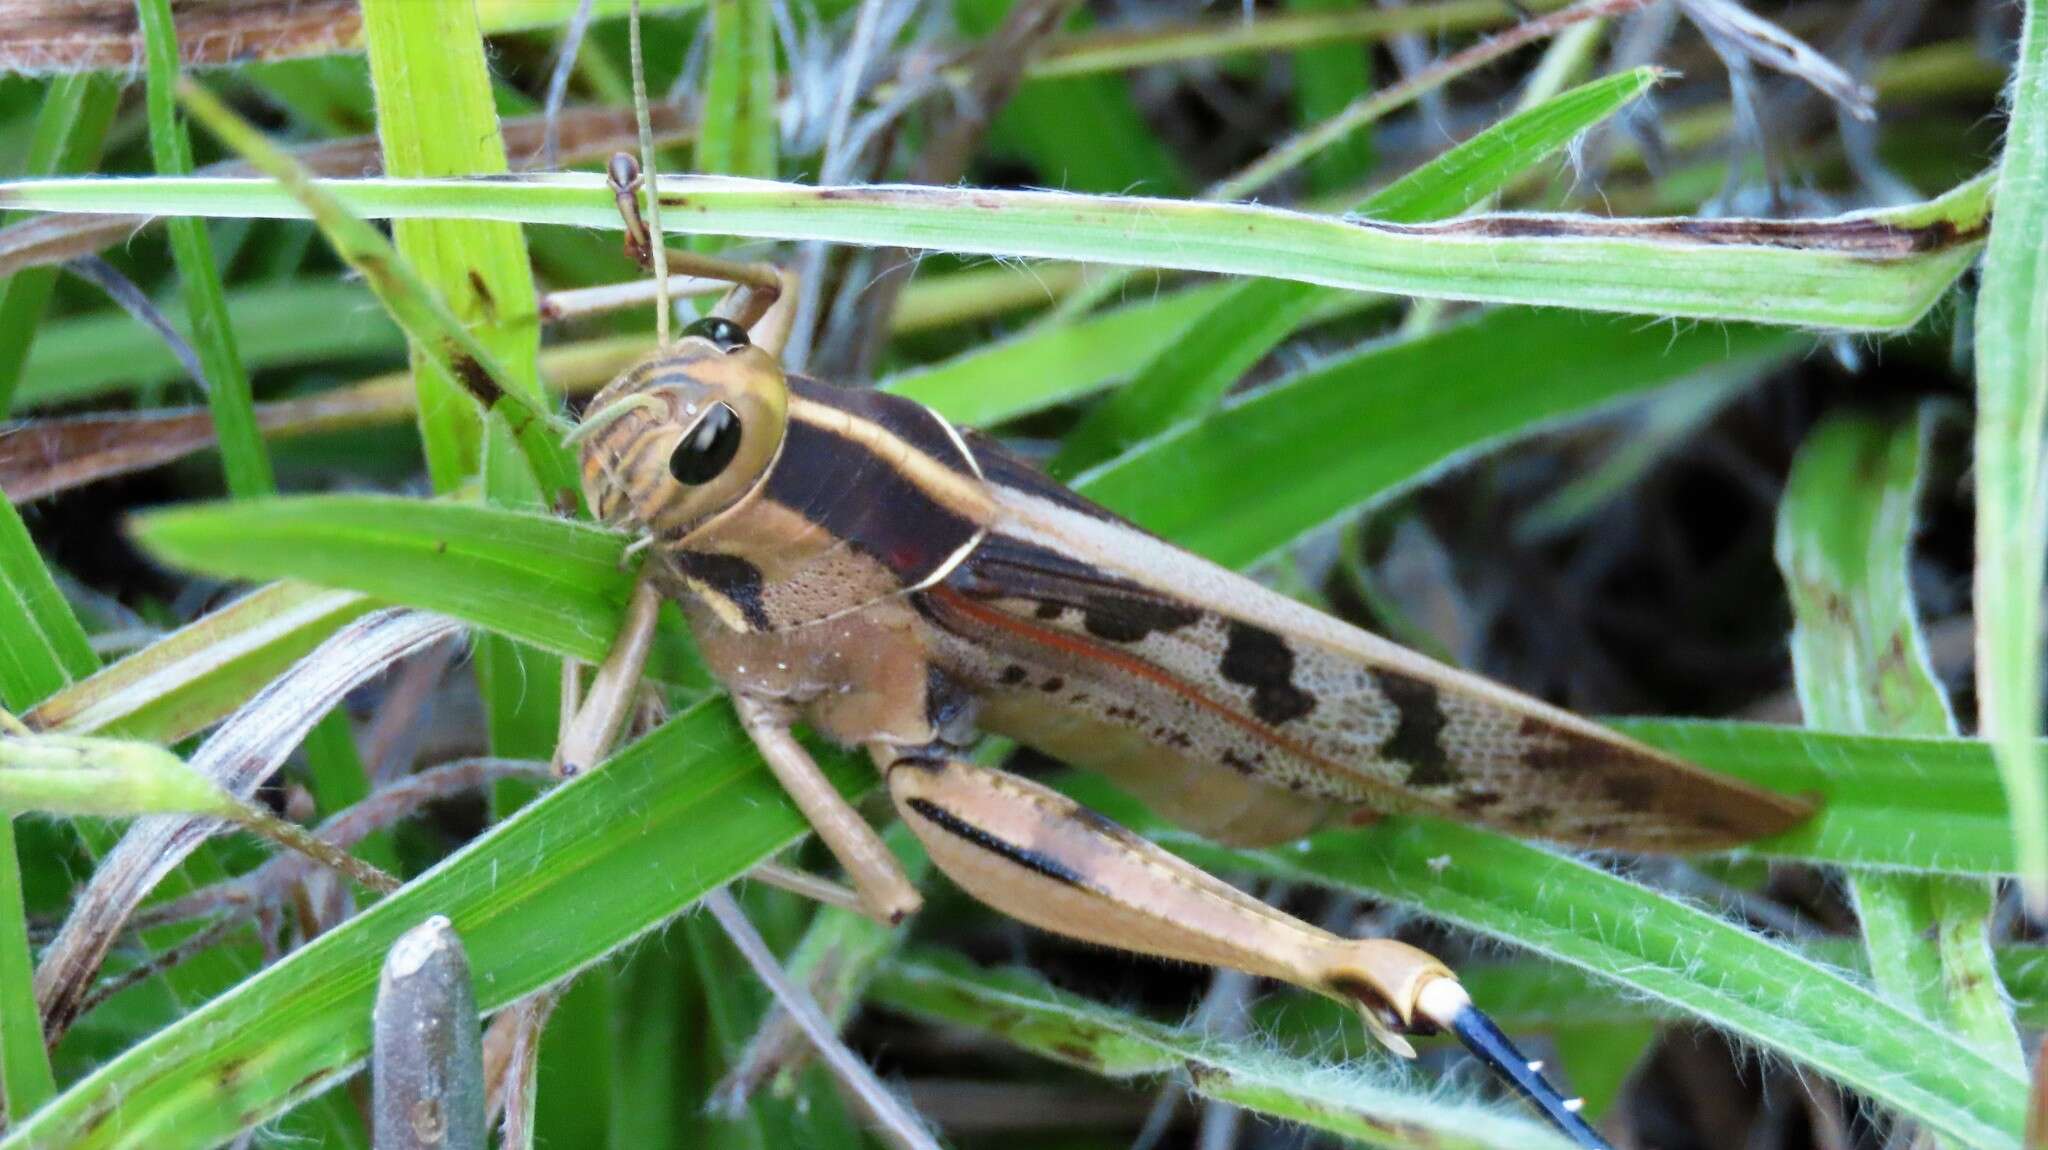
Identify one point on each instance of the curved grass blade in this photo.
(435, 117)
(2012, 411)
(1862, 272)
(69, 130)
(569, 879)
(188, 680)
(488, 566)
(244, 458)
(1844, 543)
(1911, 804)
(1692, 961)
(1242, 482)
(436, 332)
(1193, 372)
(1390, 1110)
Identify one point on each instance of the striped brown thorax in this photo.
(775, 505)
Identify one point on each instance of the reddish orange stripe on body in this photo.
(1075, 645)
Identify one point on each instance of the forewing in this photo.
(1181, 672)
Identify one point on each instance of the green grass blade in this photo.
(195, 676)
(2012, 410)
(1050, 364)
(435, 117)
(45, 648)
(1193, 372)
(424, 316)
(1895, 803)
(243, 456)
(1898, 803)
(738, 133)
(488, 566)
(1239, 484)
(283, 323)
(1327, 77)
(1375, 1110)
(1865, 272)
(26, 1080)
(1676, 954)
(68, 133)
(570, 878)
(1845, 534)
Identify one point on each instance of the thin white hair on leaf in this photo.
(240, 756)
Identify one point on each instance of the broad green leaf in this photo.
(557, 584)
(1919, 804)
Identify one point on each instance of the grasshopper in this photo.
(851, 560)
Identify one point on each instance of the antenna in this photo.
(658, 243)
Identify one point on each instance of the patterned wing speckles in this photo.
(1264, 662)
(1178, 673)
(1418, 738)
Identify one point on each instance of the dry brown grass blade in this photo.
(2037, 1101)
(270, 884)
(244, 752)
(512, 1064)
(45, 36)
(42, 457)
(46, 456)
(583, 134)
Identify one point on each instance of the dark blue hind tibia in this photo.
(1445, 1003)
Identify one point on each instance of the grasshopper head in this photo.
(685, 433)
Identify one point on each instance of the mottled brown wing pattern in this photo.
(1108, 647)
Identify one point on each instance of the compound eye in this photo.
(708, 448)
(722, 332)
